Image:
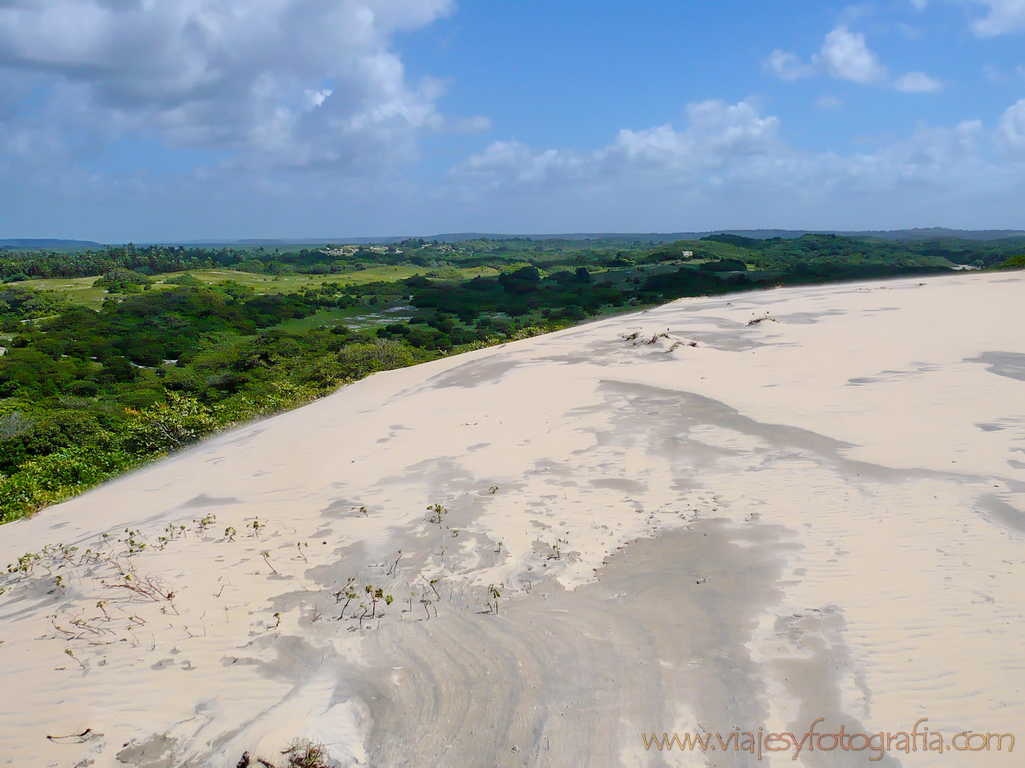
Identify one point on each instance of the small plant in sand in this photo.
(205, 522)
(376, 594)
(493, 490)
(141, 585)
(678, 344)
(110, 568)
(348, 593)
(174, 531)
(395, 565)
(266, 557)
(557, 550)
(134, 541)
(24, 564)
(306, 753)
(761, 319)
(171, 533)
(368, 607)
(427, 602)
(637, 339)
(78, 661)
(495, 591)
(230, 533)
(438, 513)
(302, 753)
(255, 527)
(425, 599)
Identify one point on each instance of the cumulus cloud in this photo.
(717, 133)
(723, 141)
(936, 149)
(1004, 16)
(845, 55)
(787, 66)
(917, 82)
(274, 82)
(1010, 134)
(995, 74)
(728, 164)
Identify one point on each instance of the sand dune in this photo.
(725, 513)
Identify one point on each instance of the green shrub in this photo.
(170, 426)
(187, 280)
(360, 360)
(24, 437)
(123, 281)
(58, 476)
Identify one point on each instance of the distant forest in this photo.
(115, 356)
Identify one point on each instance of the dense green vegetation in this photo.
(174, 344)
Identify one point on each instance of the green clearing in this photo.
(80, 290)
(263, 283)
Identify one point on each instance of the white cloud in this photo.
(275, 82)
(917, 82)
(726, 166)
(845, 55)
(828, 101)
(716, 135)
(993, 73)
(1004, 16)
(920, 4)
(1010, 135)
(787, 66)
(729, 165)
(936, 148)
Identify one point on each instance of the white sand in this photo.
(836, 497)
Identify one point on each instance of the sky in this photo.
(182, 120)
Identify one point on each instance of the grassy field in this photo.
(80, 289)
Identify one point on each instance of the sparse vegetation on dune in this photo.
(302, 753)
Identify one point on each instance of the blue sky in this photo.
(179, 120)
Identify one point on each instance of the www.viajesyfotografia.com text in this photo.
(762, 743)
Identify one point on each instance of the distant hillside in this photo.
(625, 237)
(64, 246)
(933, 233)
(668, 237)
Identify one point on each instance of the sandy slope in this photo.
(818, 515)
